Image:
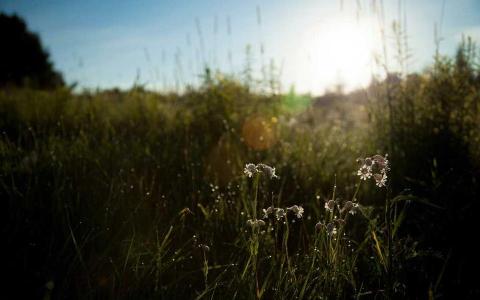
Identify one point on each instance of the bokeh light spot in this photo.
(258, 133)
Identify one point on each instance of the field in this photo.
(228, 192)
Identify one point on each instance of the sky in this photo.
(314, 45)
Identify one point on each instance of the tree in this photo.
(23, 60)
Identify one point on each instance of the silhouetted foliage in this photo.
(428, 123)
(24, 62)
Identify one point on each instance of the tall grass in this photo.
(125, 186)
(431, 132)
(141, 195)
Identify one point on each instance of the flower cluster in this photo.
(330, 228)
(338, 215)
(376, 166)
(349, 207)
(280, 213)
(251, 169)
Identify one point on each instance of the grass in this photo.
(142, 195)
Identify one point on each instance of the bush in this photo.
(23, 59)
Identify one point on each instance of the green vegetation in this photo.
(143, 195)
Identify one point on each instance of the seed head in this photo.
(347, 206)
(319, 226)
(381, 161)
(330, 205)
(331, 229)
(368, 162)
(340, 222)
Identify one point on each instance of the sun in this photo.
(340, 51)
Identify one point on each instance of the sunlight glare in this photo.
(340, 51)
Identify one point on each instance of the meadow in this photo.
(226, 191)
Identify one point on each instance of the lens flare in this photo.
(258, 133)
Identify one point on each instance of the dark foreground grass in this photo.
(140, 195)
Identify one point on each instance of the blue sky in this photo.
(165, 44)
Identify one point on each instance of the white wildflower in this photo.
(250, 169)
(380, 179)
(376, 166)
(269, 171)
(267, 212)
(255, 223)
(279, 213)
(364, 172)
(354, 209)
(297, 210)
